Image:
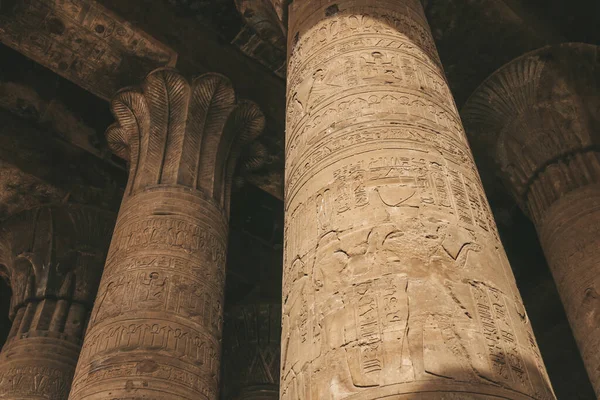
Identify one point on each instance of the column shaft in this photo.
(533, 123)
(570, 237)
(38, 363)
(54, 258)
(395, 282)
(155, 331)
(156, 324)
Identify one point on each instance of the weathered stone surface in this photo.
(395, 282)
(82, 41)
(156, 325)
(200, 50)
(251, 351)
(52, 257)
(38, 169)
(263, 37)
(537, 119)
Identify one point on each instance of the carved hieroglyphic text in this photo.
(395, 279)
(162, 292)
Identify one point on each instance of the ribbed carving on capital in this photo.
(535, 121)
(179, 133)
(52, 258)
(55, 252)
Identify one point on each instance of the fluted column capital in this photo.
(179, 133)
(535, 122)
(55, 252)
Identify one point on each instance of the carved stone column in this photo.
(251, 352)
(395, 284)
(535, 122)
(53, 259)
(155, 330)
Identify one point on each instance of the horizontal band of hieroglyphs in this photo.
(205, 385)
(167, 233)
(388, 25)
(453, 150)
(46, 382)
(434, 184)
(181, 343)
(363, 67)
(373, 105)
(160, 291)
(211, 277)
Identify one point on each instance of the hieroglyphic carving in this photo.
(158, 291)
(163, 376)
(531, 121)
(83, 42)
(157, 320)
(186, 344)
(35, 381)
(388, 231)
(168, 234)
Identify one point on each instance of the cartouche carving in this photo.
(53, 258)
(157, 321)
(533, 123)
(395, 281)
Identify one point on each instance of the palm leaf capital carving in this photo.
(181, 133)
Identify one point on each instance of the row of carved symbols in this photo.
(205, 385)
(324, 152)
(395, 182)
(356, 23)
(181, 343)
(367, 43)
(214, 278)
(375, 105)
(364, 68)
(47, 382)
(159, 291)
(163, 233)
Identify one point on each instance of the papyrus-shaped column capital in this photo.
(537, 118)
(179, 133)
(159, 310)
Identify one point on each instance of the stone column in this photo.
(535, 123)
(155, 330)
(53, 258)
(251, 351)
(396, 284)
